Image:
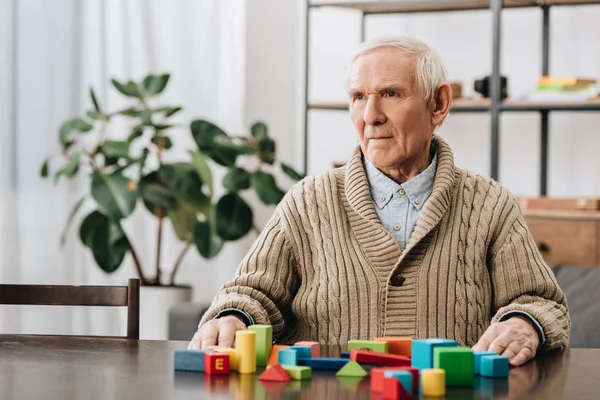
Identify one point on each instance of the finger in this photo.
(227, 333)
(486, 339)
(524, 355)
(501, 343)
(195, 342)
(209, 336)
(512, 350)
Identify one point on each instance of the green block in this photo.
(264, 343)
(379, 346)
(298, 373)
(352, 370)
(458, 364)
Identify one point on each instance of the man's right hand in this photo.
(218, 332)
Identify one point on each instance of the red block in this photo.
(216, 364)
(371, 357)
(393, 390)
(275, 374)
(377, 377)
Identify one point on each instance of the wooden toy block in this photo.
(422, 351)
(232, 356)
(458, 364)
(433, 382)
(216, 364)
(298, 373)
(380, 347)
(494, 366)
(245, 346)
(400, 346)
(315, 348)
(393, 390)
(405, 378)
(275, 374)
(371, 357)
(352, 369)
(274, 357)
(303, 352)
(190, 360)
(323, 364)
(377, 377)
(288, 357)
(264, 342)
(477, 359)
(345, 354)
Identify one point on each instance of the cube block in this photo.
(315, 348)
(494, 366)
(232, 356)
(288, 357)
(433, 382)
(458, 364)
(190, 360)
(477, 359)
(380, 347)
(398, 345)
(404, 377)
(303, 352)
(422, 351)
(377, 377)
(245, 346)
(216, 364)
(298, 373)
(264, 342)
(393, 390)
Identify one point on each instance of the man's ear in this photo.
(442, 99)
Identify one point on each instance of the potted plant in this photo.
(130, 171)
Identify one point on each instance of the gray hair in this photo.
(429, 69)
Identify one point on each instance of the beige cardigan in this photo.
(323, 268)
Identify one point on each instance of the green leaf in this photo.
(95, 102)
(136, 132)
(267, 150)
(225, 143)
(291, 172)
(44, 170)
(162, 141)
(155, 195)
(110, 161)
(182, 178)
(204, 134)
(73, 124)
(236, 179)
(202, 169)
(115, 194)
(131, 112)
(161, 127)
(115, 148)
(206, 239)
(155, 84)
(94, 115)
(266, 188)
(170, 111)
(130, 89)
(74, 210)
(106, 239)
(233, 216)
(259, 131)
(70, 169)
(183, 219)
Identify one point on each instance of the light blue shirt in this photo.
(398, 206)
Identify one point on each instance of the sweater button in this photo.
(397, 280)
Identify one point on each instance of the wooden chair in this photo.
(59, 295)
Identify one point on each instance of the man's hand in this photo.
(218, 332)
(514, 338)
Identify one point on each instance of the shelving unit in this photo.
(494, 105)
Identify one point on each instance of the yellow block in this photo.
(433, 382)
(232, 356)
(245, 346)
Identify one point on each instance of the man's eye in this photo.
(391, 94)
(360, 97)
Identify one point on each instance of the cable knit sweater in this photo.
(325, 269)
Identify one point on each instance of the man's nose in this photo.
(374, 115)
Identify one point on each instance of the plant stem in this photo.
(160, 214)
(187, 246)
(138, 266)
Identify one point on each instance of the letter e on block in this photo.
(216, 364)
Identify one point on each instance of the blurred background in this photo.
(234, 63)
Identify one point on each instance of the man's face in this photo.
(392, 119)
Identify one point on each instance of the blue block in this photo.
(190, 360)
(303, 351)
(330, 364)
(345, 354)
(405, 378)
(494, 366)
(477, 359)
(422, 351)
(287, 357)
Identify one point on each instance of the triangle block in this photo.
(275, 374)
(352, 369)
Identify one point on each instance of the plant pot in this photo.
(155, 303)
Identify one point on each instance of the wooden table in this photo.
(53, 367)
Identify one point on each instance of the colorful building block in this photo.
(190, 360)
(275, 374)
(377, 377)
(245, 345)
(216, 364)
(405, 378)
(422, 351)
(232, 356)
(458, 364)
(477, 359)
(274, 357)
(352, 369)
(494, 366)
(264, 342)
(398, 345)
(393, 390)
(303, 352)
(288, 357)
(380, 347)
(323, 364)
(315, 348)
(298, 373)
(371, 357)
(345, 354)
(433, 382)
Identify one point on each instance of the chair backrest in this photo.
(60, 295)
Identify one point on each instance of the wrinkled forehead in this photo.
(383, 67)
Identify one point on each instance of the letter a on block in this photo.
(352, 369)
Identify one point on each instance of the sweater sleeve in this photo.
(265, 281)
(522, 281)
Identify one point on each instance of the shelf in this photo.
(410, 6)
(563, 214)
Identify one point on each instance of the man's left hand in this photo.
(514, 338)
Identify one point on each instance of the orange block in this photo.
(401, 346)
(274, 357)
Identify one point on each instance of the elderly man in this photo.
(399, 242)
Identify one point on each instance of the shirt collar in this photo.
(417, 189)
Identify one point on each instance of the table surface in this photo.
(55, 367)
